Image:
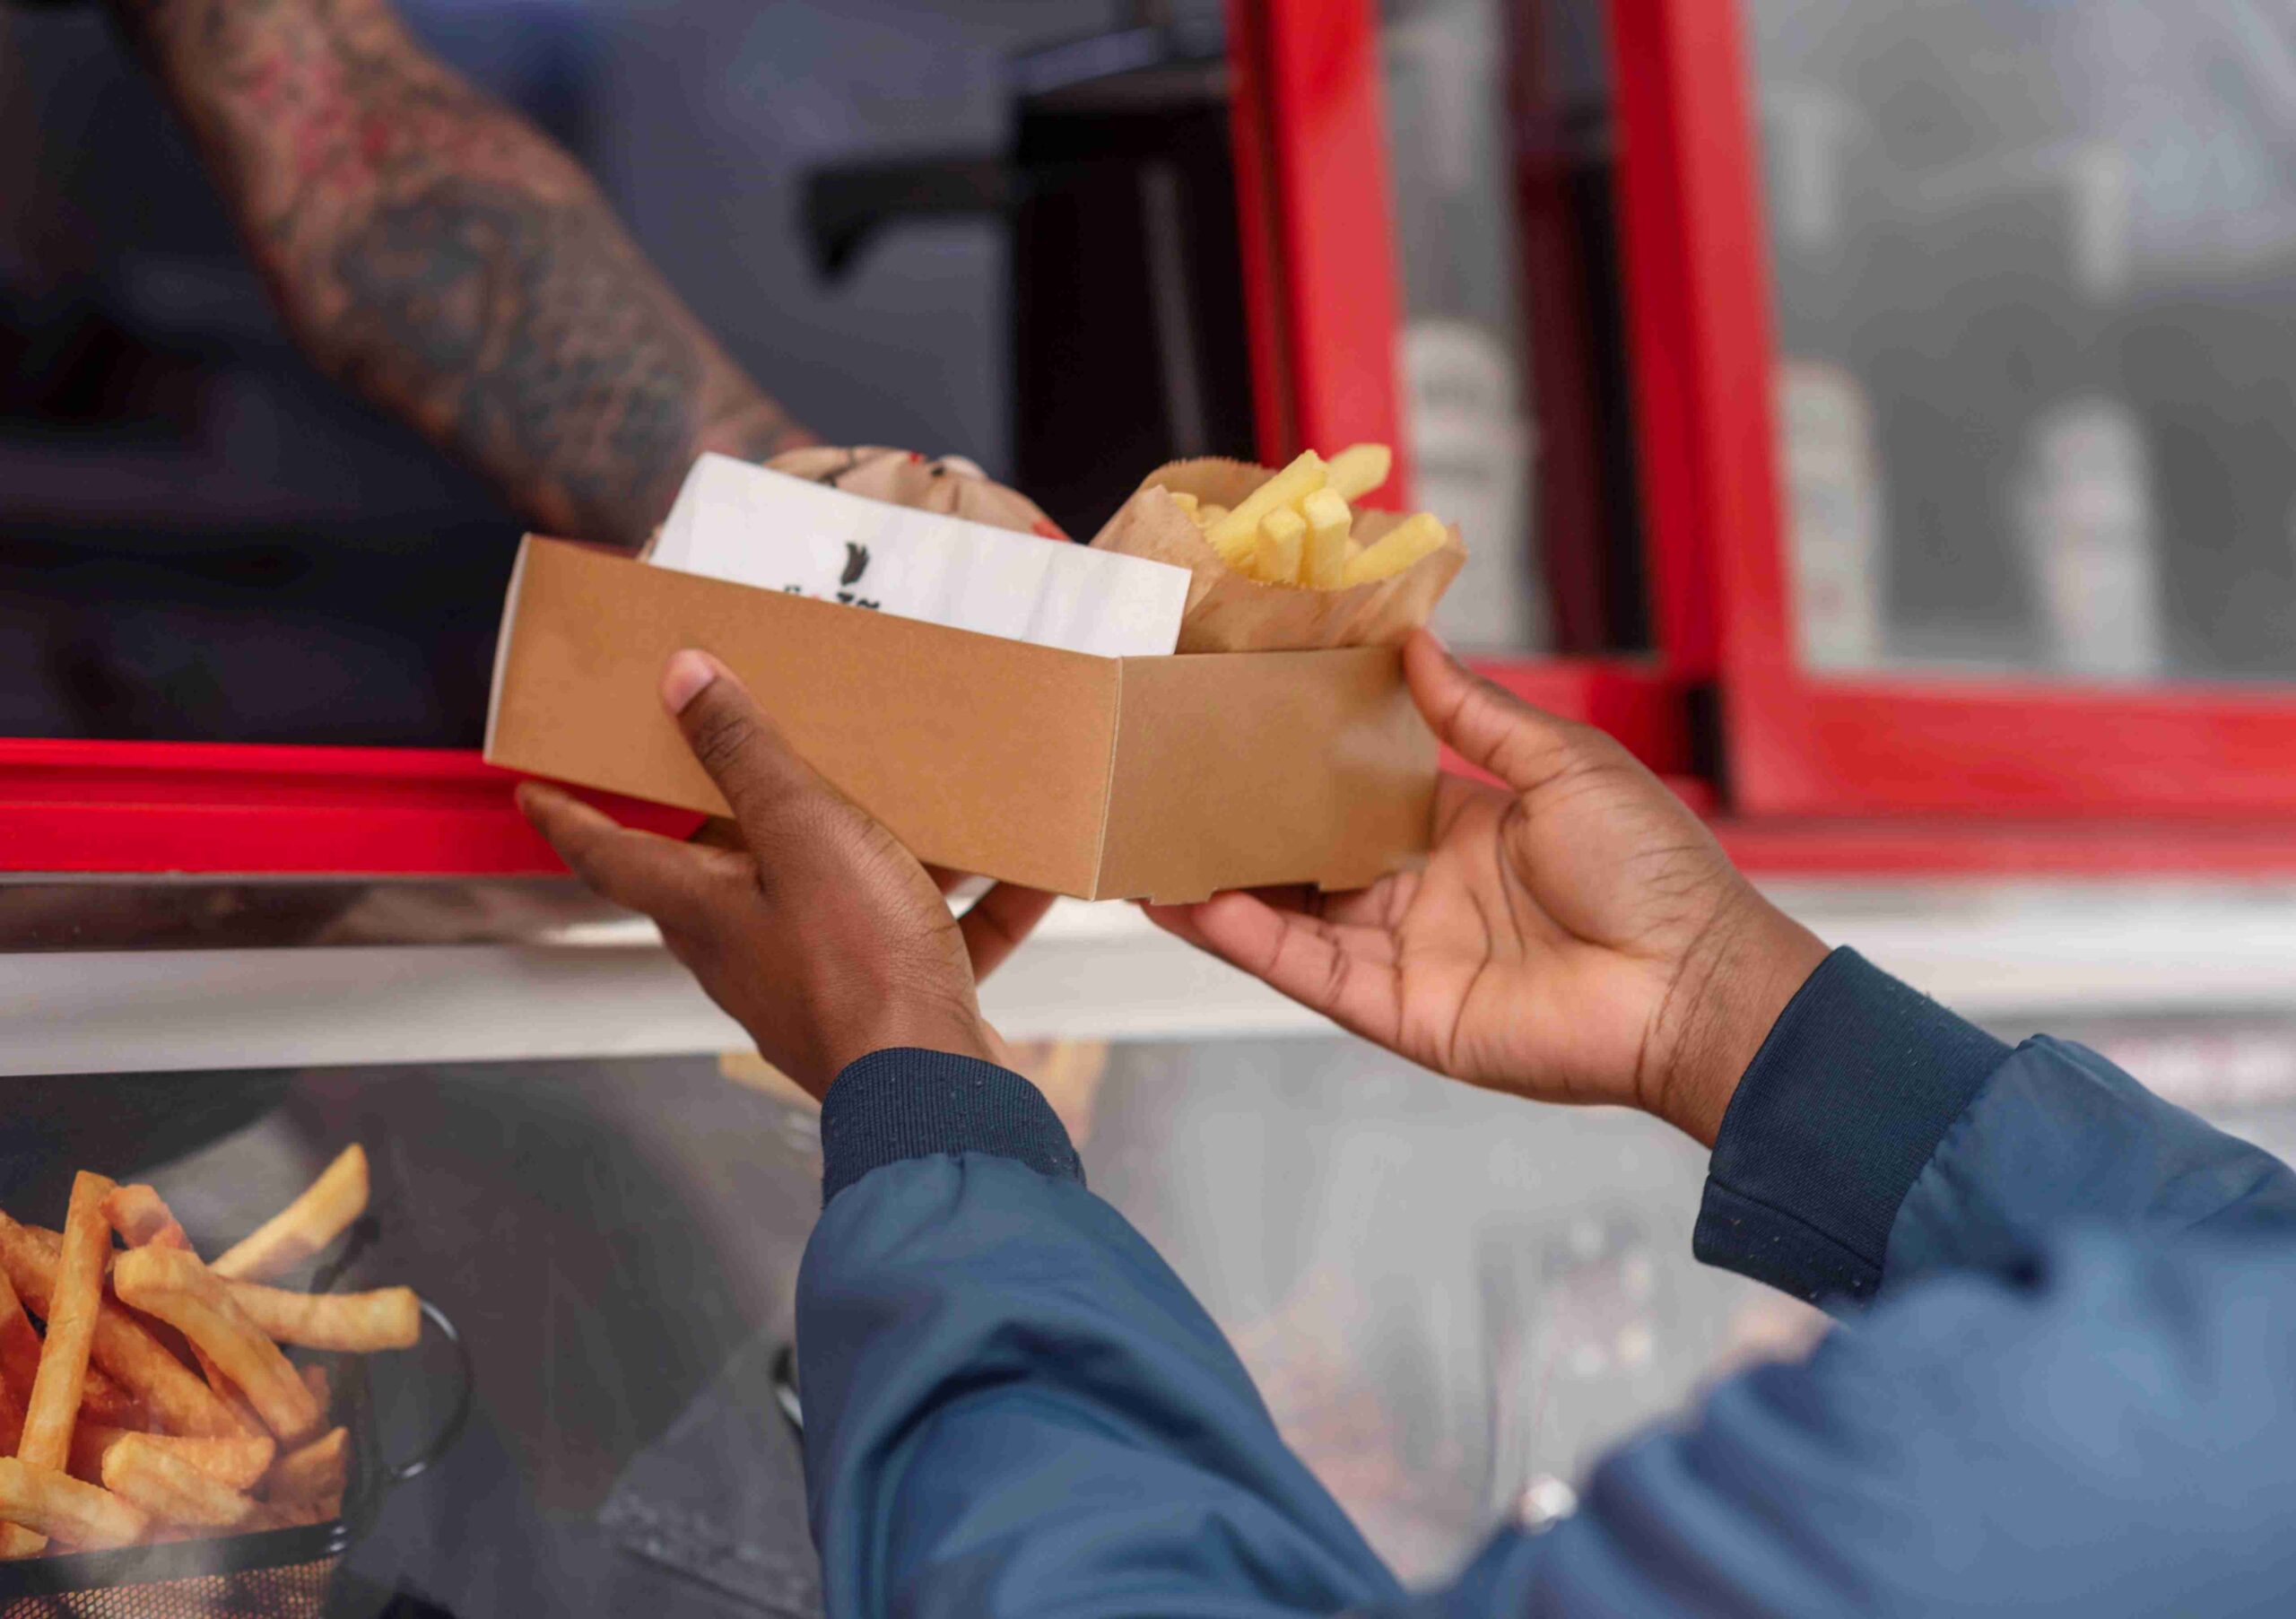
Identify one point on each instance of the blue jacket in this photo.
(2067, 1386)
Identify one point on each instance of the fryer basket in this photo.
(267, 1574)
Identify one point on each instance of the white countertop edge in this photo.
(1095, 971)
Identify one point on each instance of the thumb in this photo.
(1490, 728)
(736, 743)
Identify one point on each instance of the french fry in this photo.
(16, 1540)
(74, 1298)
(298, 1513)
(170, 1393)
(238, 1462)
(178, 1288)
(1275, 550)
(389, 1318)
(19, 1343)
(243, 1415)
(173, 1397)
(11, 1419)
(1182, 498)
(323, 1213)
(314, 1472)
(1416, 536)
(101, 1401)
(54, 1503)
(1231, 536)
(142, 1472)
(1359, 469)
(89, 1442)
(143, 1219)
(1208, 512)
(1327, 522)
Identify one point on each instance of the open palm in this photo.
(1576, 936)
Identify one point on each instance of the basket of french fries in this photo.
(181, 1436)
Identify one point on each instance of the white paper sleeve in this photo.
(754, 526)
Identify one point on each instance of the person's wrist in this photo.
(1725, 998)
(956, 1034)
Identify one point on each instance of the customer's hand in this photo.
(1576, 936)
(821, 936)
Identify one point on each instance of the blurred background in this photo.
(2027, 273)
(2031, 264)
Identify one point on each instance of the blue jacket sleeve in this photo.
(1012, 1404)
(1878, 1139)
(2072, 1393)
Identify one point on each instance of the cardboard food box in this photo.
(1166, 779)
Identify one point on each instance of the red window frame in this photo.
(1796, 744)
(1828, 777)
(1321, 295)
(119, 807)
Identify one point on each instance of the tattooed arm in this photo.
(436, 253)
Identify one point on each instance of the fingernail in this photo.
(687, 676)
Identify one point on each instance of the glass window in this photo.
(1512, 357)
(2034, 267)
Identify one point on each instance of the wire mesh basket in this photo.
(267, 1574)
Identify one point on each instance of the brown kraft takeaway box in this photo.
(1165, 779)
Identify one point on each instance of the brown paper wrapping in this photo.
(1232, 611)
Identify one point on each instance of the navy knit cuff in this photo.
(907, 1102)
(1848, 1097)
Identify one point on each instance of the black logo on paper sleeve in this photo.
(856, 563)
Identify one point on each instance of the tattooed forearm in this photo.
(440, 255)
(511, 322)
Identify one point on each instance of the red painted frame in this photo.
(1900, 849)
(1321, 289)
(1312, 186)
(1696, 255)
(173, 806)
